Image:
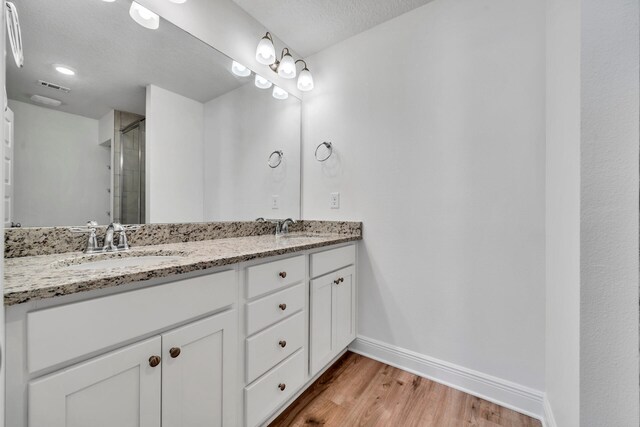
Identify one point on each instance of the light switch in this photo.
(334, 200)
(275, 202)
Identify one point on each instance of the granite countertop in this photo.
(46, 276)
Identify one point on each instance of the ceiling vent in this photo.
(54, 86)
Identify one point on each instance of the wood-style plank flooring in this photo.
(358, 391)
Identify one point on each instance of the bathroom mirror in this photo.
(113, 121)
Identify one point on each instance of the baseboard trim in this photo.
(549, 420)
(502, 392)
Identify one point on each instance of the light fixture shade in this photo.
(265, 52)
(262, 83)
(287, 67)
(305, 80)
(144, 16)
(63, 69)
(279, 93)
(240, 70)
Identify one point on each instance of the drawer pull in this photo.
(174, 352)
(282, 274)
(283, 307)
(282, 386)
(154, 361)
(282, 343)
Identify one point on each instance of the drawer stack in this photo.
(276, 335)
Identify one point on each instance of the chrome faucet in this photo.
(112, 228)
(282, 227)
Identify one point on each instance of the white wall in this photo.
(242, 127)
(438, 120)
(174, 163)
(609, 213)
(60, 171)
(563, 212)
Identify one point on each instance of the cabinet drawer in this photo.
(268, 277)
(266, 395)
(332, 260)
(270, 347)
(59, 334)
(273, 308)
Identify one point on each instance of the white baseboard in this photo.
(548, 420)
(502, 392)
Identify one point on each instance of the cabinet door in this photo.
(117, 389)
(320, 325)
(343, 309)
(199, 369)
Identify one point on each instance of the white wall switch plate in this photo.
(275, 202)
(334, 200)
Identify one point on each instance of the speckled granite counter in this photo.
(46, 276)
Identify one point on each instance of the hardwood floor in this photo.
(358, 391)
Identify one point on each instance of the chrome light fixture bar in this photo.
(286, 65)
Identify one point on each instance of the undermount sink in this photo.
(119, 260)
(141, 261)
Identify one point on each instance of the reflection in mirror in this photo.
(116, 122)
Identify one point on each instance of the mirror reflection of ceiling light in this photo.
(63, 69)
(50, 102)
(279, 93)
(240, 70)
(262, 83)
(144, 16)
(286, 66)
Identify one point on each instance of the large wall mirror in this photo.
(115, 122)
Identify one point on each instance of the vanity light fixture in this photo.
(262, 83)
(265, 52)
(279, 93)
(63, 69)
(240, 70)
(286, 66)
(144, 16)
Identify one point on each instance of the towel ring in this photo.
(275, 159)
(329, 148)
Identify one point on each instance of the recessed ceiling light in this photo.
(63, 69)
(178, 1)
(50, 102)
(144, 16)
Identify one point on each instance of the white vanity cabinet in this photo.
(228, 347)
(333, 304)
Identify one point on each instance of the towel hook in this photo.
(275, 159)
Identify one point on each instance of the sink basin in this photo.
(124, 262)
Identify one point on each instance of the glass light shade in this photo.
(287, 67)
(262, 83)
(240, 70)
(305, 80)
(144, 16)
(265, 52)
(279, 93)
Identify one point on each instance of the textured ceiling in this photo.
(115, 58)
(308, 26)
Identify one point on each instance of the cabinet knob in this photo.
(337, 281)
(282, 343)
(282, 274)
(174, 352)
(154, 361)
(282, 386)
(283, 307)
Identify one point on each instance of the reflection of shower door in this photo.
(132, 152)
